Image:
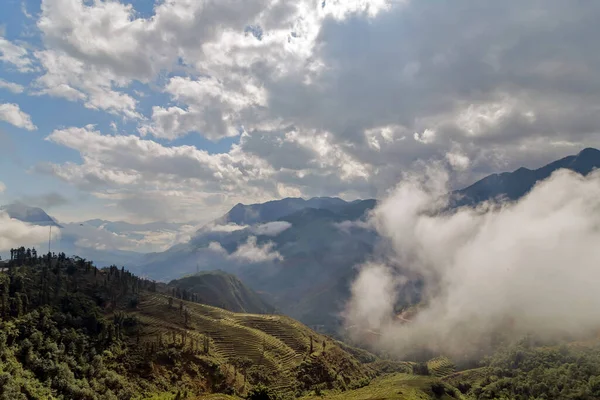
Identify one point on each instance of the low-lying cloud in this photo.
(273, 228)
(250, 251)
(531, 266)
(15, 233)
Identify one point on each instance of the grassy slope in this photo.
(396, 386)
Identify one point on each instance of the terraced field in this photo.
(394, 387)
(278, 343)
(440, 366)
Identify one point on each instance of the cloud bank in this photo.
(250, 251)
(15, 233)
(525, 267)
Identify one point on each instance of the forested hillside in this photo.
(71, 331)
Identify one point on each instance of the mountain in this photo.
(220, 289)
(313, 258)
(242, 214)
(316, 249)
(514, 185)
(31, 215)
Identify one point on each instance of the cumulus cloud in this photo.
(12, 114)
(514, 268)
(11, 86)
(15, 55)
(488, 88)
(2, 187)
(70, 78)
(112, 236)
(248, 252)
(253, 252)
(15, 233)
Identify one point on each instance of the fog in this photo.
(531, 266)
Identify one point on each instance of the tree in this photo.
(260, 392)
(241, 364)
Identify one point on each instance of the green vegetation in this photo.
(69, 330)
(525, 371)
(220, 289)
(396, 386)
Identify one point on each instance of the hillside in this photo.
(311, 281)
(69, 330)
(220, 289)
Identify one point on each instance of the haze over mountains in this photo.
(301, 253)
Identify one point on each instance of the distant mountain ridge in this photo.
(242, 214)
(324, 243)
(514, 185)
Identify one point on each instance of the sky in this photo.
(176, 110)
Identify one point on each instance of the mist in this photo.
(503, 268)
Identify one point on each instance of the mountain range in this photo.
(299, 253)
(324, 238)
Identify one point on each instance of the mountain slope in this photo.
(250, 214)
(220, 289)
(31, 215)
(514, 185)
(311, 281)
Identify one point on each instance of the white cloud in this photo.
(273, 228)
(528, 266)
(15, 55)
(2, 187)
(253, 252)
(224, 228)
(213, 109)
(12, 114)
(458, 161)
(11, 86)
(333, 99)
(248, 252)
(347, 226)
(70, 78)
(15, 233)
(138, 238)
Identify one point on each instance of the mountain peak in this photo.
(589, 151)
(273, 210)
(513, 185)
(31, 215)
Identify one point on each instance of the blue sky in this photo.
(22, 149)
(175, 111)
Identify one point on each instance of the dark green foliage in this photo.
(421, 368)
(55, 340)
(523, 372)
(312, 372)
(261, 392)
